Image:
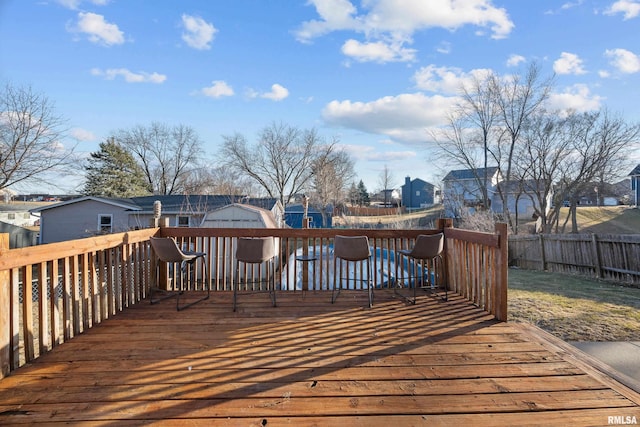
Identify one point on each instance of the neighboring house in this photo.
(635, 185)
(417, 193)
(522, 198)
(294, 214)
(19, 213)
(463, 187)
(89, 216)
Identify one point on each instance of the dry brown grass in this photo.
(575, 308)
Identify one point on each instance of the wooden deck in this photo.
(308, 362)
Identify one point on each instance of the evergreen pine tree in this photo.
(363, 195)
(113, 172)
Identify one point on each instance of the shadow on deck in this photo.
(309, 362)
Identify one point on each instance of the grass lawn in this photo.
(574, 308)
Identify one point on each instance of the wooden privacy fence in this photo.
(53, 292)
(610, 257)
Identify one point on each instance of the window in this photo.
(11, 216)
(105, 223)
(418, 193)
(183, 221)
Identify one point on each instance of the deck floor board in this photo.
(309, 362)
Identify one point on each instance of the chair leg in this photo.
(234, 284)
(271, 278)
(169, 294)
(410, 269)
(370, 282)
(194, 279)
(334, 295)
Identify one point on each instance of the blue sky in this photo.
(376, 74)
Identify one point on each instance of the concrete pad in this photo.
(623, 356)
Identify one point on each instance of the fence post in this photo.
(543, 254)
(5, 312)
(500, 288)
(596, 255)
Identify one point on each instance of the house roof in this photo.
(171, 204)
(416, 181)
(299, 209)
(469, 173)
(123, 203)
(635, 171)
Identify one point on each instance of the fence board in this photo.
(609, 256)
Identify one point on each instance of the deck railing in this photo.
(53, 292)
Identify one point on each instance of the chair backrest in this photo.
(351, 248)
(428, 246)
(167, 249)
(255, 249)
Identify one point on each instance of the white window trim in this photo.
(183, 216)
(101, 226)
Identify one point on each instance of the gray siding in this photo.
(79, 220)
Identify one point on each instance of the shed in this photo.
(238, 215)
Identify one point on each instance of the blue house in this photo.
(417, 193)
(293, 215)
(635, 185)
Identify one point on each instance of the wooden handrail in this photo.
(51, 293)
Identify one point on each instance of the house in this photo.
(635, 185)
(89, 216)
(19, 213)
(417, 193)
(522, 198)
(294, 214)
(464, 187)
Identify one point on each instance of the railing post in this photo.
(5, 312)
(501, 276)
(441, 224)
(162, 268)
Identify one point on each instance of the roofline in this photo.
(107, 201)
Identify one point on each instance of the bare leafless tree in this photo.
(31, 135)
(281, 162)
(333, 173)
(487, 124)
(386, 181)
(169, 155)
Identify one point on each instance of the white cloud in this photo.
(515, 60)
(278, 93)
(446, 80)
(82, 134)
(198, 33)
(444, 47)
(630, 8)
(577, 98)
(218, 89)
(129, 76)
(404, 117)
(377, 51)
(625, 61)
(97, 29)
(75, 4)
(388, 20)
(373, 154)
(568, 63)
